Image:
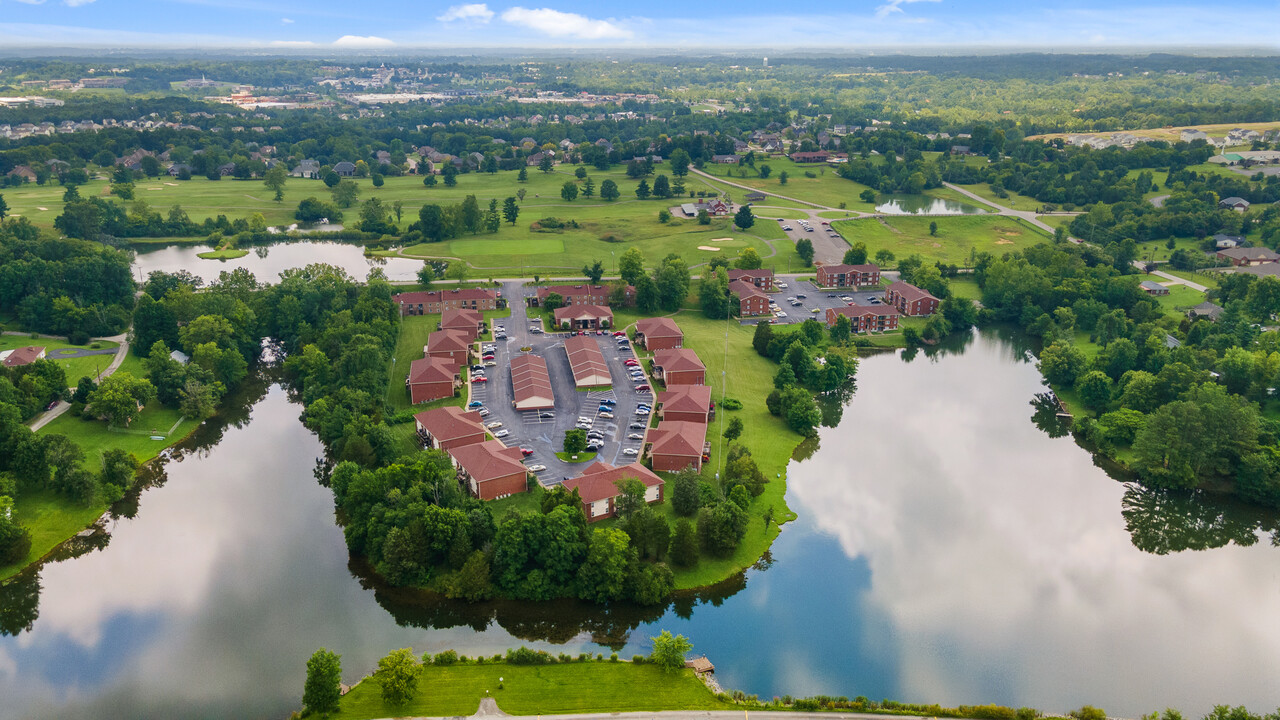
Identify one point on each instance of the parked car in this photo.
(637, 426)
(494, 425)
(606, 415)
(608, 401)
(635, 436)
(594, 447)
(584, 419)
(537, 468)
(490, 363)
(479, 379)
(475, 404)
(619, 333)
(546, 415)
(642, 388)
(786, 227)
(502, 433)
(782, 285)
(484, 412)
(801, 296)
(535, 330)
(477, 367)
(526, 451)
(630, 451)
(781, 313)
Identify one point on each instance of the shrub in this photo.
(731, 404)
(637, 659)
(448, 657)
(613, 657)
(525, 656)
(78, 337)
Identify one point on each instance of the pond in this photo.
(266, 262)
(955, 553)
(923, 205)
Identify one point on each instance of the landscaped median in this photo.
(592, 685)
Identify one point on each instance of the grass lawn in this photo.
(1159, 249)
(224, 254)
(538, 690)
(965, 287)
(1015, 201)
(957, 236)
(75, 368)
(779, 212)
(51, 519)
(581, 457)
(1207, 279)
(1057, 220)
(827, 188)
(1180, 298)
(697, 183)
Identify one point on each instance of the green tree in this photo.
(684, 493)
(684, 545)
(669, 651)
(575, 440)
(804, 248)
(743, 218)
(748, 259)
(431, 223)
(450, 175)
(933, 228)
(884, 257)
(569, 191)
(762, 337)
(679, 162)
(1094, 388)
(588, 188)
(510, 210)
(631, 265)
(1061, 363)
(594, 272)
(553, 301)
(734, 430)
(523, 175)
(642, 190)
(275, 179)
(765, 171)
(630, 497)
(661, 187)
(856, 254)
(672, 283)
(801, 411)
(721, 527)
(324, 680)
(345, 193)
(609, 190)
(546, 163)
(472, 217)
(397, 675)
(580, 172)
(867, 196)
(842, 330)
(602, 576)
(429, 180)
(782, 177)
(118, 397)
(713, 294)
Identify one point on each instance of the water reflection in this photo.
(923, 205)
(266, 262)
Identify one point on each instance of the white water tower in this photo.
(766, 62)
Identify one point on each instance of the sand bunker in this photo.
(708, 248)
(722, 240)
(1003, 242)
(172, 184)
(41, 208)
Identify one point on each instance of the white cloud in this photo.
(32, 2)
(563, 24)
(362, 41)
(286, 21)
(292, 43)
(477, 12)
(76, 3)
(895, 6)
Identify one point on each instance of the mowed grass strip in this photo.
(577, 687)
(957, 236)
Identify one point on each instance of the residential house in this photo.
(345, 169)
(491, 470)
(1189, 135)
(1238, 204)
(177, 169)
(449, 345)
(960, 150)
(1248, 256)
(675, 445)
(583, 317)
(752, 301)
(309, 169)
(1222, 241)
(24, 172)
(819, 156)
(724, 159)
(18, 357)
(910, 300)
(680, 366)
(467, 321)
(447, 428)
(866, 318)
(598, 487)
(437, 301)
(431, 379)
(660, 333)
(687, 403)
(715, 207)
(842, 276)
(1205, 309)
(1151, 287)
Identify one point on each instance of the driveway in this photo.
(121, 351)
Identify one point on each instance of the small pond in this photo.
(266, 262)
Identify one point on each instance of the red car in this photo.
(526, 451)
(479, 379)
(619, 334)
(642, 388)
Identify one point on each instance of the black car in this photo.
(636, 426)
(546, 415)
(801, 296)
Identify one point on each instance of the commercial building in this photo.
(530, 384)
(583, 317)
(587, 362)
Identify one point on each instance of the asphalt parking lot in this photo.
(543, 431)
(814, 298)
(827, 245)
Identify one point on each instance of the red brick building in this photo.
(675, 445)
(910, 300)
(762, 278)
(450, 345)
(577, 294)
(462, 320)
(679, 367)
(686, 403)
(659, 334)
(1248, 256)
(437, 301)
(598, 487)
(583, 317)
(840, 276)
(751, 300)
(449, 427)
(431, 379)
(866, 318)
(490, 470)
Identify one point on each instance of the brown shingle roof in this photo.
(488, 460)
(682, 439)
(586, 361)
(744, 289)
(584, 312)
(659, 327)
(686, 398)
(23, 356)
(449, 423)
(432, 296)
(599, 480)
(760, 273)
(678, 360)
(447, 341)
(530, 383)
(461, 319)
(908, 291)
(429, 370)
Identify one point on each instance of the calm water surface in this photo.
(947, 550)
(266, 262)
(923, 205)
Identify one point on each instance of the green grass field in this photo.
(75, 368)
(957, 236)
(595, 686)
(224, 254)
(827, 188)
(1208, 279)
(1014, 201)
(51, 519)
(1180, 298)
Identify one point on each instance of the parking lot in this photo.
(828, 245)
(543, 431)
(801, 298)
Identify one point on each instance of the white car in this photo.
(584, 419)
(501, 434)
(537, 468)
(635, 436)
(630, 451)
(494, 425)
(642, 411)
(782, 286)
(786, 227)
(484, 412)
(606, 415)
(491, 364)
(583, 426)
(780, 313)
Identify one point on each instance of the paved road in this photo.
(121, 351)
(1171, 279)
(1027, 215)
(748, 188)
(1158, 200)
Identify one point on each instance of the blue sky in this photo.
(850, 25)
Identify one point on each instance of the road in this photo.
(49, 416)
(1027, 215)
(1171, 279)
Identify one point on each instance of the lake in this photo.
(954, 552)
(266, 262)
(923, 205)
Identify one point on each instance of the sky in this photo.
(850, 25)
